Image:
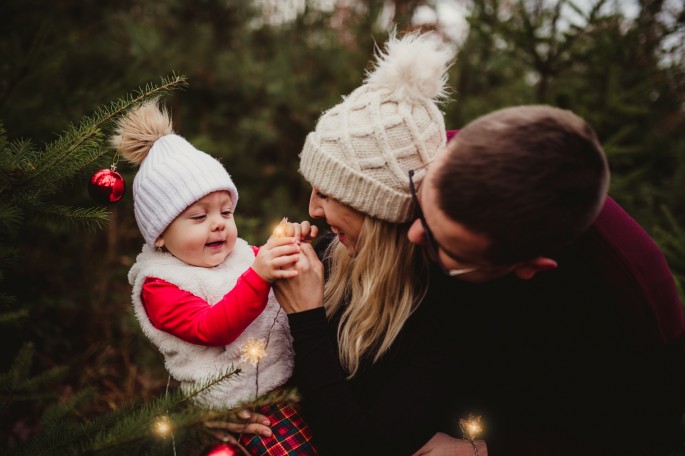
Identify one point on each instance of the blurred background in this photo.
(260, 73)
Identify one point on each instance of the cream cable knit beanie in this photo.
(362, 149)
(173, 174)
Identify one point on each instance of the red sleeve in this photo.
(192, 319)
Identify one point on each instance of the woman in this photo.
(367, 343)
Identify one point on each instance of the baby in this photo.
(202, 295)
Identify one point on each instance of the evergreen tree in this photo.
(258, 87)
(31, 177)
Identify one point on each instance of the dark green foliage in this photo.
(617, 73)
(78, 374)
(130, 429)
(31, 180)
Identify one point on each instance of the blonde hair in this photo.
(376, 290)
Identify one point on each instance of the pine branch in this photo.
(62, 161)
(11, 217)
(28, 174)
(90, 217)
(11, 317)
(121, 431)
(131, 428)
(203, 387)
(80, 146)
(17, 384)
(19, 368)
(15, 162)
(59, 435)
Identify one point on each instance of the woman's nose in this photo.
(315, 209)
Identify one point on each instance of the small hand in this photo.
(304, 231)
(251, 423)
(276, 259)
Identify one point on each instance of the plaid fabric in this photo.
(290, 434)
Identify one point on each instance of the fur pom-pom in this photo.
(138, 130)
(414, 66)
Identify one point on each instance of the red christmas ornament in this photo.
(222, 449)
(107, 186)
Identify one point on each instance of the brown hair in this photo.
(530, 178)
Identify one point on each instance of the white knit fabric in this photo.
(362, 149)
(173, 176)
(194, 364)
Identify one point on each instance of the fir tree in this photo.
(31, 177)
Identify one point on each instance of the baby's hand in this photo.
(304, 231)
(276, 258)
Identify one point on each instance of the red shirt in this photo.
(192, 319)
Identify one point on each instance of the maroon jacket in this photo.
(585, 359)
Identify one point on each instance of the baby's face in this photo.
(205, 233)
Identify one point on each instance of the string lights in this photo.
(162, 426)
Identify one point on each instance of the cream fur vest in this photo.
(193, 365)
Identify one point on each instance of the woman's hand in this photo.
(252, 423)
(304, 291)
(445, 445)
(304, 231)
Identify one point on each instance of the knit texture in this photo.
(173, 176)
(362, 149)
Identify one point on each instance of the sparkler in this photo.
(253, 351)
(281, 229)
(471, 427)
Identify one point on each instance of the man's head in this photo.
(511, 188)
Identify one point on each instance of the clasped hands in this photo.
(304, 291)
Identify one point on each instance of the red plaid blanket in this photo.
(290, 434)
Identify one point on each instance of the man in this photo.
(568, 330)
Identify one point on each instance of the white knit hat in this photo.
(173, 174)
(362, 149)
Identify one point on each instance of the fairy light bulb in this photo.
(162, 426)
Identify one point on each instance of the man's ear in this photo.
(528, 269)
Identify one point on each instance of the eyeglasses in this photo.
(432, 245)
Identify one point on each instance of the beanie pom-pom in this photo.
(414, 67)
(136, 133)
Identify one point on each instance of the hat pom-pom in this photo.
(413, 67)
(136, 133)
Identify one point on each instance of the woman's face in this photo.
(344, 221)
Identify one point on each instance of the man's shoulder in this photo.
(616, 240)
(622, 255)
